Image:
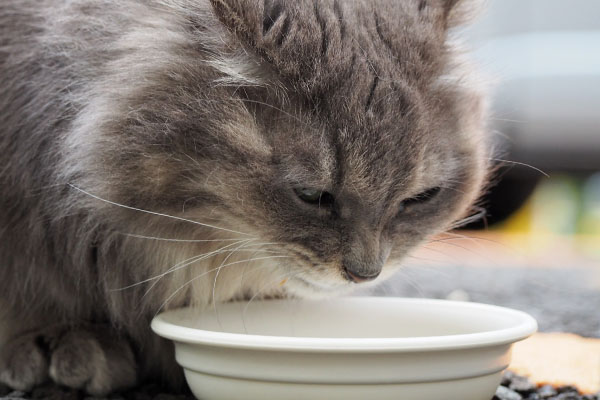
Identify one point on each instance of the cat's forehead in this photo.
(319, 45)
(360, 66)
(368, 55)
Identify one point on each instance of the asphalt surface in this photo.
(562, 300)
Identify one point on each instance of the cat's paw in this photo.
(24, 364)
(93, 360)
(90, 359)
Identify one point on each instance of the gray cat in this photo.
(163, 153)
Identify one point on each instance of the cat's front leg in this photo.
(90, 358)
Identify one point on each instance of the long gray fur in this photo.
(208, 114)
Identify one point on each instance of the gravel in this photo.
(515, 387)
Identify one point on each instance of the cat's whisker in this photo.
(453, 189)
(275, 108)
(214, 288)
(458, 236)
(454, 181)
(438, 269)
(477, 241)
(134, 235)
(471, 251)
(260, 249)
(155, 213)
(267, 243)
(508, 120)
(208, 272)
(480, 214)
(195, 259)
(186, 201)
(503, 135)
(405, 276)
(424, 259)
(438, 251)
(455, 238)
(521, 164)
(278, 279)
(243, 274)
(181, 264)
(242, 277)
(208, 255)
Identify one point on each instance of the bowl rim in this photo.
(525, 327)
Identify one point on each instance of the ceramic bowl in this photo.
(347, 348)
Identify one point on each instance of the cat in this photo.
(164, 153)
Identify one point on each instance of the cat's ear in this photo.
(285, 32)
(449, 4)
(242, 17)
(450, 12)
(264, 23)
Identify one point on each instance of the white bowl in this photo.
(349, 348)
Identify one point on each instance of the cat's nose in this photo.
(358, 274)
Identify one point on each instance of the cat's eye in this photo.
(314, 196)
(422, 197)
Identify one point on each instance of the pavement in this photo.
(561, 299)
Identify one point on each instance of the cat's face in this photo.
(338, 131)
(359, 139)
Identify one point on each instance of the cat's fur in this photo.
(213, 111)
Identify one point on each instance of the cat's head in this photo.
(361, 135)
(344, 131)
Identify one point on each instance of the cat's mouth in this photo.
(322, 280)
(311, 286)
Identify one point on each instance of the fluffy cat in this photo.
(162, 153)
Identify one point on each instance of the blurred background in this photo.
(538, 249)
(543, 57)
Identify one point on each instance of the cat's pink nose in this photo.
(359, 277)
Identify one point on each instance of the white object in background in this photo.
(458, 295)
(545, 55)
(349, 348)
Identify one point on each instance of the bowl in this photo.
(347, 348)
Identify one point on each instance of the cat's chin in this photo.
(304, 288)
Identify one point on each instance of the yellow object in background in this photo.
(520, 222)
(562, 207)
(555, 206)
(589, 223)
(552, 209)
